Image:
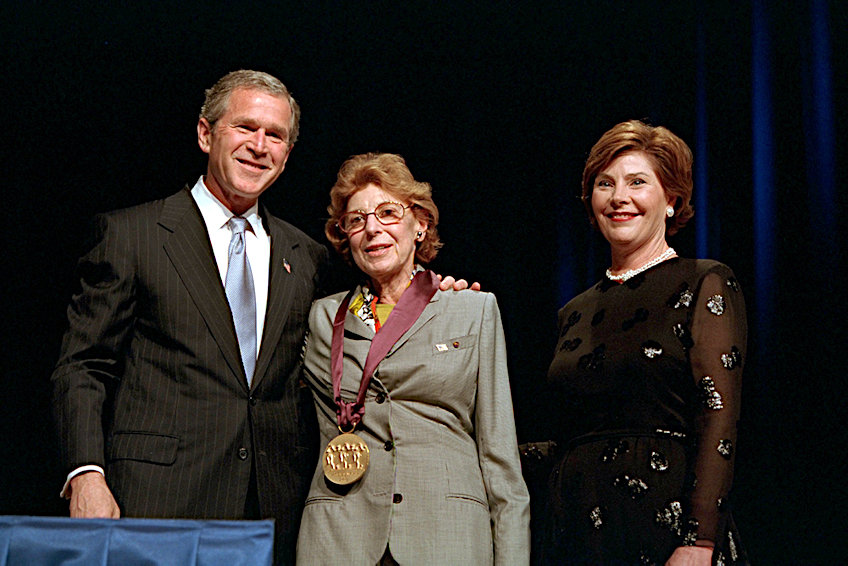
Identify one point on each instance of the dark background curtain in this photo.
(496, 104)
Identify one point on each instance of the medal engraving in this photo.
(345, 459)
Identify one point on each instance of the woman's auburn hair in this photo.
(669, 155)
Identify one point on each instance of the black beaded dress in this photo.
(646, 379)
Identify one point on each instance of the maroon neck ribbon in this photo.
(407, 310)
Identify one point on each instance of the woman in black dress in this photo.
(646, 375)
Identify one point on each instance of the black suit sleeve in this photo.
(100, 316)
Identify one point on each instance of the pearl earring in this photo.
(669, 211)
(420, 234)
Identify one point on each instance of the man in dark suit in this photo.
(164, 408)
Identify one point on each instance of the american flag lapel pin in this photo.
(286, 265)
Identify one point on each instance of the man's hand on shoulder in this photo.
(91, 498)
(448, 283)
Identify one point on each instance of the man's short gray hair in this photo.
(218, 97)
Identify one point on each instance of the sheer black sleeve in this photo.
(719, 331)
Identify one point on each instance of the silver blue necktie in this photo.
(241, 295)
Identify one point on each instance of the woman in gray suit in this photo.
(419, 462)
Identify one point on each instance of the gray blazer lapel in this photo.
(190, 251)
(355, 327)
(431, 310)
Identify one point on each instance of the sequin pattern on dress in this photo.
(670, 433)
(683, 335)
(659, 463)
(733, 284)
(725, 448)
(715, 305)
(614, 449)
(596, 516)
(634, 487)
(652, 349)
(711, 397)
(671, 517)
(691, 535)
(682, 299)
(731, 545)
(733, 359)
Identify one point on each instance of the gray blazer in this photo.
(444, 485)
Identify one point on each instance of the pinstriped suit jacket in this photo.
(444, 485)
(150, 384)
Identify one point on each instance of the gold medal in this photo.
(345, 459)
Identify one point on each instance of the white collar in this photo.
(216, 215)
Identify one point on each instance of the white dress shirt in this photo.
(216, 217)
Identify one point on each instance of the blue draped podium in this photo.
(58, 540)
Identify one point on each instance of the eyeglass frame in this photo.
(374, 212)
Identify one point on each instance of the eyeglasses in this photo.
(386, 213)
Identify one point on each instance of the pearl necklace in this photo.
(633, 272)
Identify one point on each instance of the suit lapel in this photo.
(431, 310)
(190, 251)
(355, 326)
(281, 293)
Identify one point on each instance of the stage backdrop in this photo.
(496, 104)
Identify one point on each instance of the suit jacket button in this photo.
(242, 453)
(381, 397)
(397, 498)
(252, 400)
(388, 445)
